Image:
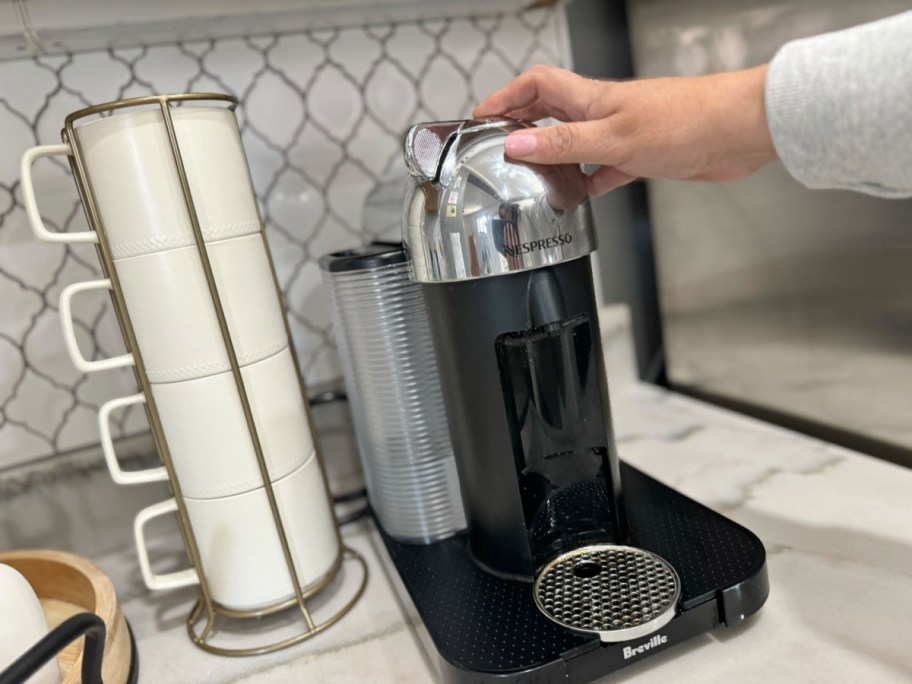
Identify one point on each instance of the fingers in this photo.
(543, 92)
(552, 86)
(539, 110)
(585, 142)
(606, 179)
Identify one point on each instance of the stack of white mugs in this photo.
(135, 182)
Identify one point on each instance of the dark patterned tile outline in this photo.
(537, 23)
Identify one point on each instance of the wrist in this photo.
(739, 129)
(761, 136)
(755, 143)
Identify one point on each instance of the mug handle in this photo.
(31, 206)
(124, 477)
(172, 580)
(69, 331)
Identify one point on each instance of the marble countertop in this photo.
(837, 527)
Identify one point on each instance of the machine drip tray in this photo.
(481, 628)
(616, 592)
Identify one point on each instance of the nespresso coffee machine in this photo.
(573, 564)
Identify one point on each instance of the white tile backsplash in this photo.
(322, 114)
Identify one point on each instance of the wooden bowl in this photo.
(67, 584)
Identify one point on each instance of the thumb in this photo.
(607, 178)
(575, 143)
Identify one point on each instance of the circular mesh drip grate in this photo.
(617, 592)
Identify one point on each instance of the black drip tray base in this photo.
(486, 629)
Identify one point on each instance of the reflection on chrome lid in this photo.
(470, 212)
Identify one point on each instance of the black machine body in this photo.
(573, 564)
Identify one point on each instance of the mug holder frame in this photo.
(205, 608)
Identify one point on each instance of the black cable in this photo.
(350, 496)
(328, 397)
(53, 642)
(354, 516)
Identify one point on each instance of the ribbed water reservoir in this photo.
(387, 356)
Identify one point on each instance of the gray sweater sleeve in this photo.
(839, 107)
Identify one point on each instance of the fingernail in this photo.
(520, 144)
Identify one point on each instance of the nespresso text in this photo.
(535, 245)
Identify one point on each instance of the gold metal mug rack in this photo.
(205, 603)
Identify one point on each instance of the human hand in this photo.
(710, 128)
(565, 184)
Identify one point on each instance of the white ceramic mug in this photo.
(173, 315)
(131, 169)
(239, 546)
(207, 435)
(22, 624)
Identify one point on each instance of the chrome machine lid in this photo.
(470, 212)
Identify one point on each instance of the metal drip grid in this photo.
(617, 592)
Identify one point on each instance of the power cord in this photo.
(354, 516)
(328, 397)
(350, 496)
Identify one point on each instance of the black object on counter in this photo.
(484, 628)
(570, 568)
(497, 406)
(88, 624)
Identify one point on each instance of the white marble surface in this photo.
(837, 526)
